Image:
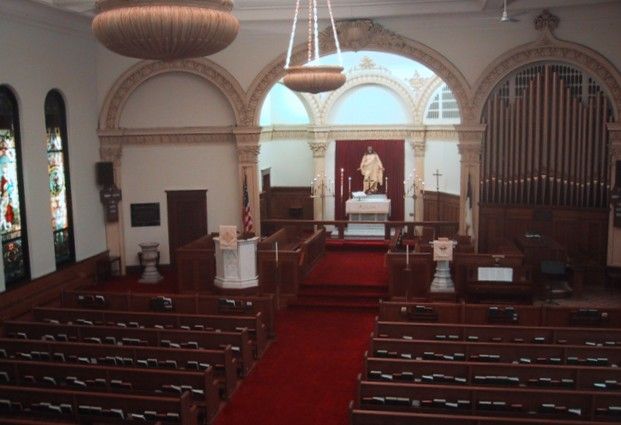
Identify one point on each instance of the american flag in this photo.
(246, 216)
(469, 221)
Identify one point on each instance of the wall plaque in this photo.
(145, 215)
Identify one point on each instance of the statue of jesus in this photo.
(372, 171)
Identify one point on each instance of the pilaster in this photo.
(112, 151)
(470, 139)
(247, 141)
(319, 146)
(419, 145)
(614, 233)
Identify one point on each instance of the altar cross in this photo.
(437, 175)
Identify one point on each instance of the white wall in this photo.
(41, 50)
(176, 99)
(369, 104)
(442, 156)
(147, 172)
(291, 162)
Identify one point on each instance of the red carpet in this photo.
(350, 268)
(308, 375)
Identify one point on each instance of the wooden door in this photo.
(187, 218)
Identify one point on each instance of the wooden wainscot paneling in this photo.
(440, 206)
(582, 233)
(414, 283)
(289, 202)
(47, 288)
(196, 266)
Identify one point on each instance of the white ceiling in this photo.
(249, 10)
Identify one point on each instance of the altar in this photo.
(367, 208)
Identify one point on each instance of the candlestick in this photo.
(342, 175)
(386, 183)
(407, 255)
(276, 243)
(349, 187)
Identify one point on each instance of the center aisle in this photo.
(308, 375)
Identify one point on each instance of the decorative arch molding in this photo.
(425, 97)
(378, 77)
(357, 35)
(312, 103)
(548, 48)
(131, 79)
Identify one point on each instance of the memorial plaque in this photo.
(145, 215)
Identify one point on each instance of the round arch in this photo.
(375, 77)
(548, 48)
(358, 35)
(129, 81)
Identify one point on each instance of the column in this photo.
(319, 147)
(470, 139)
(614, 233)
(111, 150)
(247, 140)
(419, 144)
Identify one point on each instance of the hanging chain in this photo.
(295, 22)
(316, 30)
(309, 51)
(336, 39)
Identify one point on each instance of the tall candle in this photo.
(276, 243)
(349, 191)
(407, 254)
(386, 180)
(342, 175)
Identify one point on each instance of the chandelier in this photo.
(313, 78)
(165, 29)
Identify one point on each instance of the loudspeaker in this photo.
(105, 174)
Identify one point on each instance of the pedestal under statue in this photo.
(150, 274)
(367, 208)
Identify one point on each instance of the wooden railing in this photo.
(434, 228)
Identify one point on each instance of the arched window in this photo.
(12, 215)
(58, 171)
(443, 106)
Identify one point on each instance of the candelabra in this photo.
(321, 188)
(413, 186)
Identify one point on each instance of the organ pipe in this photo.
(546, 141)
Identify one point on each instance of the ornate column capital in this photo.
(418, 146)
(110, 150)
(247, 141)
(319, 149)
(470, 139)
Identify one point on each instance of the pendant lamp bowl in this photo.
(314, 79)
(165, 29)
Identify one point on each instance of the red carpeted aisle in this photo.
(308, 375)
(350, 267)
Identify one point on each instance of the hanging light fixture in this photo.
(165, 29)
(313, 78)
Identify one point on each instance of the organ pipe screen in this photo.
(546, 141)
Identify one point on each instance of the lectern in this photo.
(237, 268)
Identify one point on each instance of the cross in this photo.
(437, 175)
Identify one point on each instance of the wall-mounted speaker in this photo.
(105, 174)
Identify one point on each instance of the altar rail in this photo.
(440, 228)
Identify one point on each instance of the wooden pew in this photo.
(128, 380)
(550, 377)
(239, 341)
(223, 362)
(361, 416)
(181, 303)
(485, 401)
(499, 352)
(254, 324)
(76, 400)
(479, 314)
(506, 334)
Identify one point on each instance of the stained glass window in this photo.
(60, 194)
(12, 217)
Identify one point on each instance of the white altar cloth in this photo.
(367, 208)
